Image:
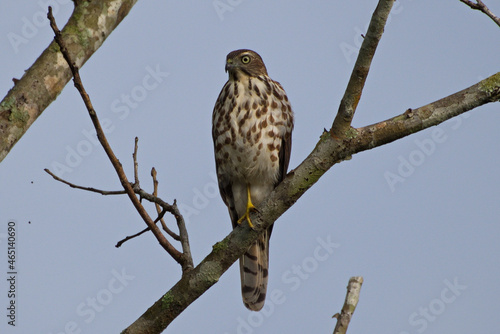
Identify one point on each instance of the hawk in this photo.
(252, 125)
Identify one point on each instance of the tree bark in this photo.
(351, 301)
(88, 27)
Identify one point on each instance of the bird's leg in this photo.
(250, 207)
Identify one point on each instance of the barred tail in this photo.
(254, 273)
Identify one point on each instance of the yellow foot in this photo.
(250, 207)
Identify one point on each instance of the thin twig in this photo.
(161, 213)
(351, 301)
(352, 95)
(186, 249)
(176, 255)
(72, 185)
(119, 243)
(151, 198)
(183, 235)
(479, 5)
(158, 207)
(160, 216)
(138, 191)
(136, 165)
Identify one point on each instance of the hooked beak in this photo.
(229, 64)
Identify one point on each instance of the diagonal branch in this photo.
(46, 78)
(121, 242)
(351, 301)
(479, 5)
(352, 95)
(328, 151)
(176, 255)
(129, 237)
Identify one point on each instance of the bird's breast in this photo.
(252, 121)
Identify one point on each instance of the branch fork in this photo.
(184, 258)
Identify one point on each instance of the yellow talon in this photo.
(250, 207)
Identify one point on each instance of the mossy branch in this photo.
(46, 78)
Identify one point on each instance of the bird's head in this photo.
(244, 62)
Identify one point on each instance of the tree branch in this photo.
(127, 238)
(352, 95)
(136, 165)
(158, 207)
(479, 5)
(351, 301)
(181, 224)
(176, 255)
(45, 79)
(72, 185)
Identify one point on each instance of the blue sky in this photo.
(417, 218)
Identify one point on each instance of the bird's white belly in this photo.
(253, 137)
(254, 160)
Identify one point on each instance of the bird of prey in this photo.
(252, 125)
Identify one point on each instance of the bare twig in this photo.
(186, 249)
(181, 225)
(352, 95)
(161, 213)
(121, 242)
(138, 191)
(136, 165)
(351, 301)
(176, 255)
(479, 5)
(127, 238)
(102, 192)
(158, 207)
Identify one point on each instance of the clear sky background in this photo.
(418, 218)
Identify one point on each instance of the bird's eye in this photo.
(245, 59)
